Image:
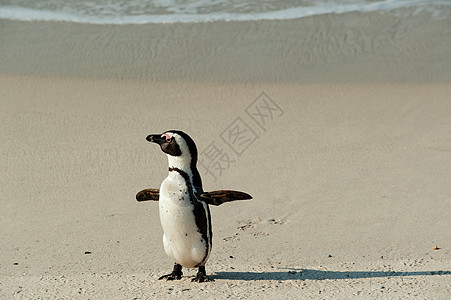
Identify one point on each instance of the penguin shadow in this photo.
(308, 274)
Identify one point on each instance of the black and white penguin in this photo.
(184, 212)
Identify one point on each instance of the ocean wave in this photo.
(194, 16)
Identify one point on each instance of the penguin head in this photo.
(179, 147)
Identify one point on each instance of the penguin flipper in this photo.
(219, 197)
(148, 194)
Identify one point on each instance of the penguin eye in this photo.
(167, 138)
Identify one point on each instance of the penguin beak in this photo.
(155, 138)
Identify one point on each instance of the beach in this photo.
(347, 155)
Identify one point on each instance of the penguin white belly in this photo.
(182, 241)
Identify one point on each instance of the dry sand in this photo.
(350, 176)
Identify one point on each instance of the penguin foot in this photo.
(201, 276)
(171, 276)
(175, 275)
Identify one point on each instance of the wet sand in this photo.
(353, 47)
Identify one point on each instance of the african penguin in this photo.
(184, 212)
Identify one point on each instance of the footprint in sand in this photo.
(276, 221)
(251, 224)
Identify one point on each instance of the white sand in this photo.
(350, 183)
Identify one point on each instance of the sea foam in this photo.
(201, 11)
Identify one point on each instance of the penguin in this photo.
(184, 206)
